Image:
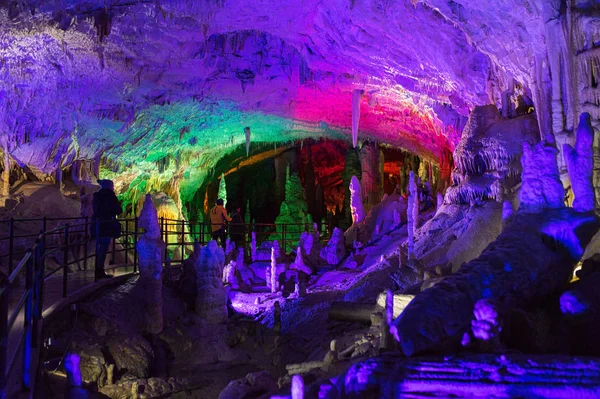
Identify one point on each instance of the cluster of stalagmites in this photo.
(528, 263)
(489, 305)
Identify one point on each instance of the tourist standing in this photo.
(218, 218)
(105, 227)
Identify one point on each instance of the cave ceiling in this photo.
(136, 81)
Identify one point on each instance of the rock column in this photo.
(211, 301)
(372, 179)
(151, 250)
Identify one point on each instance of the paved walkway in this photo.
(77, 282)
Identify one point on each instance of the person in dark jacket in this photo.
(106, 207)
(237, 229)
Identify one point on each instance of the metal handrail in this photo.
(33, 264)
(31, 300)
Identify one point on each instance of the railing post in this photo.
(162, 227)
(65, 260)
(114, 243)
(27, 319)
(4, 291)
(135, 240)
(97, 228)
(283, 237)
(126, 241)
(44, 228)
(166, 227)
(86, 243)
(38, 289)
(11, 227)
(182, 240)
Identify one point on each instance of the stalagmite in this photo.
(440, 201)
(356, 97)
(371, 180)
(277, 317)
(253, 246)
(211, 301)
(356, 205)
(386, 322)
(247, 134)
(531, 260)
(247, 213)
(335, 250)
(507, 213)
(397, 220)
(223, 190)
(5, 191)
(71, 364)
(399, 259)
(541, 188)
(299, 263)
(580, 162)
(274, 281)
(110, 374)
(151, 250)
(297, 387)
(59, 180)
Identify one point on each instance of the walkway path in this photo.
(80, 284)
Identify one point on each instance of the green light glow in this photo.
(184, 141)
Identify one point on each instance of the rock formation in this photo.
(247, 133)
(487, 171)
(580, 163)
(412, 215)
(335, 249)
(211, 301)
(530, 260)
(151, 252)
(356, 205)
(273, 280)
(356, 97)
(542, 188)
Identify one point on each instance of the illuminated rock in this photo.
(412, 217)
(529, 262)
(151, 252)
(356, 205)
(211, 301)
(335, 249)
(356, 97)
(580, 163)
(542, 188)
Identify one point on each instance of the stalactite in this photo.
(356, 97)
(247, 134)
